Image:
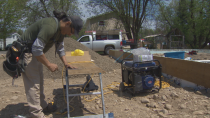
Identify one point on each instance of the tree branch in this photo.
(131, 3)
(35, 11)
(144, 9)
(164, 16)
(45, 9)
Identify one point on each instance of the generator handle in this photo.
(126, 59)
(146, 62)
(157, 61)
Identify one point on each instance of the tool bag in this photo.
(14, 63)
(89, 85)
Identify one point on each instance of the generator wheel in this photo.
(122, 87)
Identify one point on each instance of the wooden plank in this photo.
(127, 55)
(112, 53)
(84, 68)
(119, 54)
(195, 72)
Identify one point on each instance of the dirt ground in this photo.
(170, 102)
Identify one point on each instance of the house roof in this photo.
(11, 34)
(101, 17)
(106, 15)
(156, 35)
(16, 34)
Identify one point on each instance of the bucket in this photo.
(124, 41)
(178, 55)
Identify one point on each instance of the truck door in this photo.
(86, 41)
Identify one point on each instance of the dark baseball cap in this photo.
(77, 24)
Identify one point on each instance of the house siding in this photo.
(111, 22)
(9, 40)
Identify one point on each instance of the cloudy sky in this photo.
(84, 9)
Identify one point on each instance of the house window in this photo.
(101, 23)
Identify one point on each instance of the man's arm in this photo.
(63, 58)
(52, 67)
(59, 46)
(43, 60)
(61, 52)
(37, 50)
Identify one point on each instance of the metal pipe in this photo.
(67, 92)
(102, 96)
(79, 94)
(76, 85)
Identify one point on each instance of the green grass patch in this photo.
(100, 52)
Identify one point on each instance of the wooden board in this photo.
(84, 68)
(85, 57)
(195, 72)
(118, 55)
(111, 53)
(127, 55)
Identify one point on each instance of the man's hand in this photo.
(53, 67)
(63, 58)
(69, 66)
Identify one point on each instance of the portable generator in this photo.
(140, 76)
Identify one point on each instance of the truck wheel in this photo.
(106, 51)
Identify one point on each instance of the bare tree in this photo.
(37, 9)
(132, 14)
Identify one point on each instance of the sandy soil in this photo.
(170, 102)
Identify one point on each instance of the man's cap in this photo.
(77, 24)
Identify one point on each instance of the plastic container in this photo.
(124, 41)
(177, 55)
(142, 58)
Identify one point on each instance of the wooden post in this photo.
(183, 43)
(170, 43)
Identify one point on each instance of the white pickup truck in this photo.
(102, 42)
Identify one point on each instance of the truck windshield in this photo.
(84, 39)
